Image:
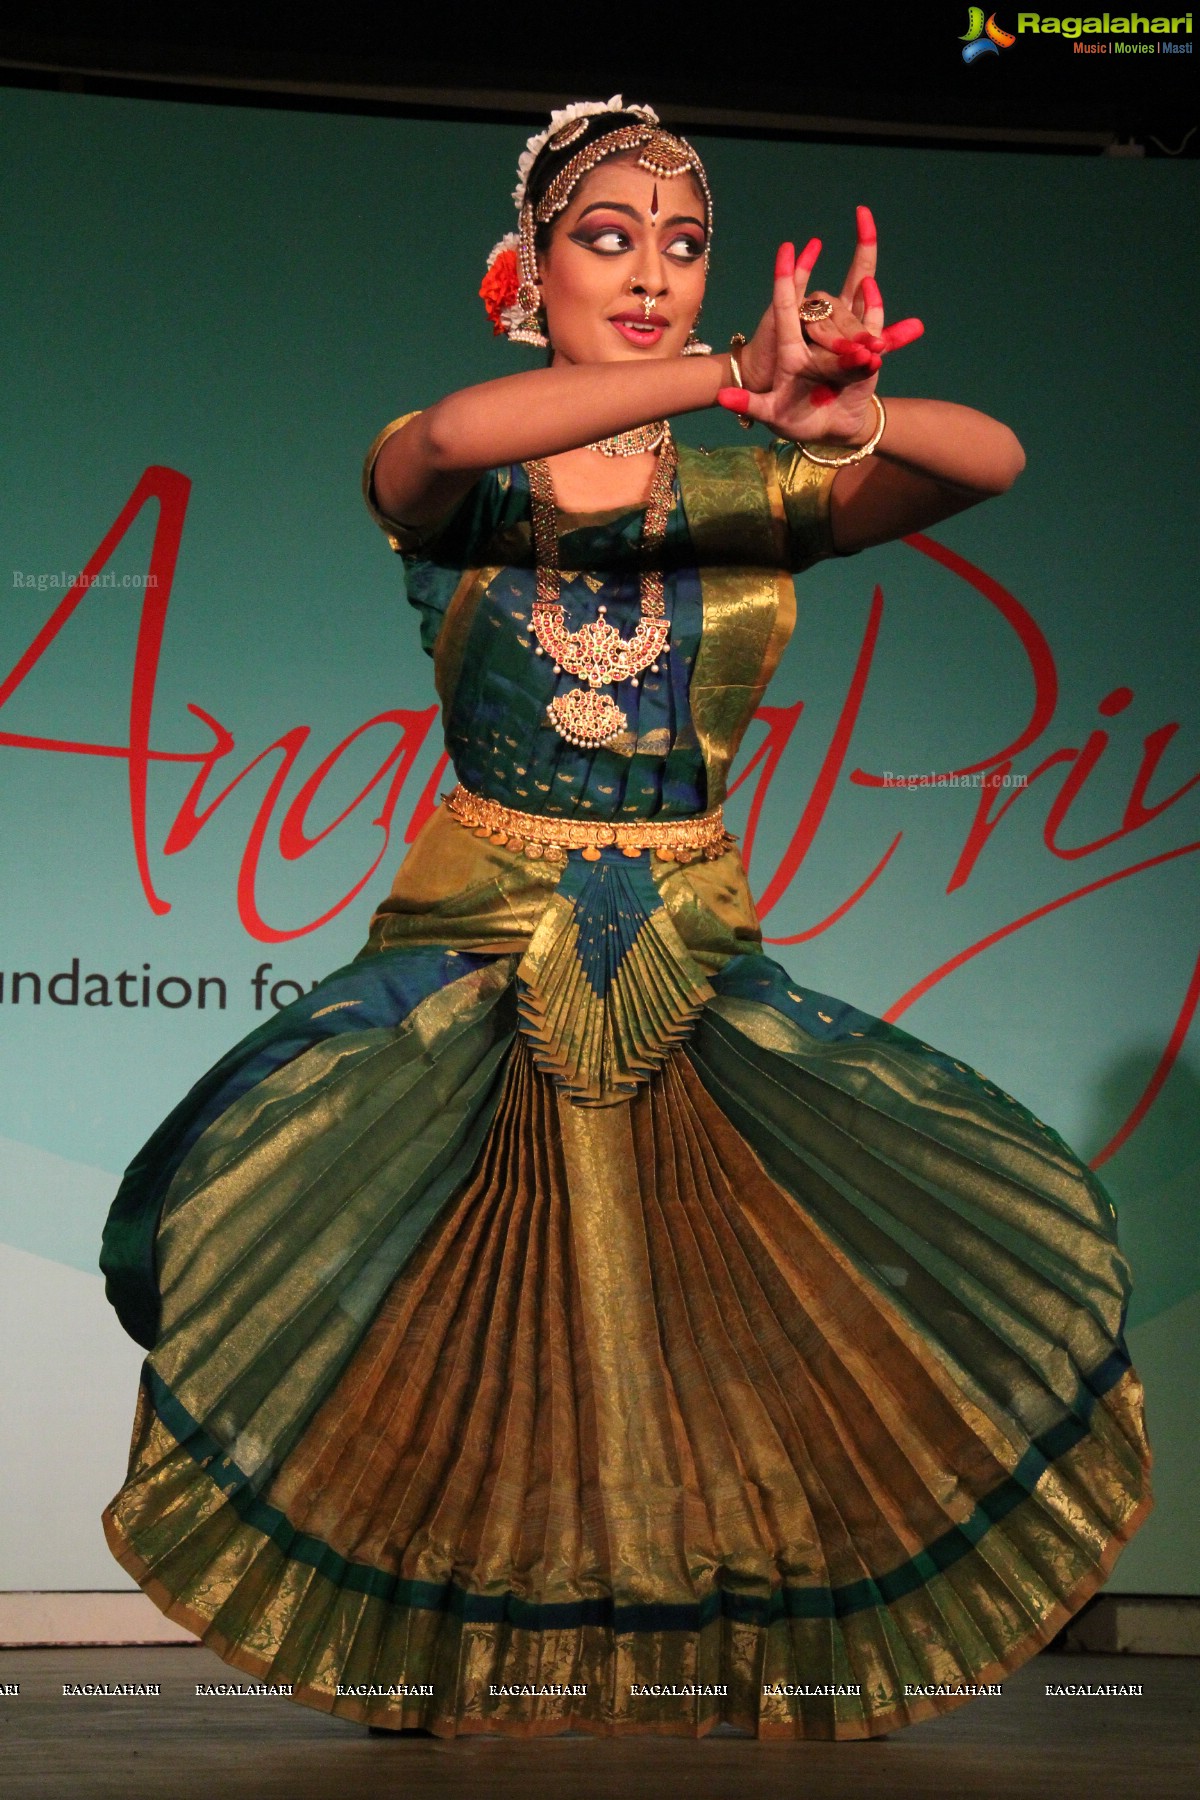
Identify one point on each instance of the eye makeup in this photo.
(608, 238)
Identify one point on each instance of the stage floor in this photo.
(1024, 1745)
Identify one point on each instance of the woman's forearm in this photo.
(947, 442)
(537, 413)
(935, 459)
(547, 410)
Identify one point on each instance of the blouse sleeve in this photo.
(400, 536)
(436, 557)
(804, 489)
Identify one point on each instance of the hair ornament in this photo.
(577, 113)
(568, 135)
(498, 289)
(660, 153)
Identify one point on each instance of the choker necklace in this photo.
(597, 651)
(635, 442)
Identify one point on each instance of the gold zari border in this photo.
(542, 838)
(401, 537)
(1019, 1605)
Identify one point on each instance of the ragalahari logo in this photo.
(984, 38)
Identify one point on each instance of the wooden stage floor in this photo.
(1021, 1746)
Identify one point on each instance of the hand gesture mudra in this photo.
(812, 366)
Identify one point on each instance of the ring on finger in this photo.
(813, 310)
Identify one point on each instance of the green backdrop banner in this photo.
(217, 731)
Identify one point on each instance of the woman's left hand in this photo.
(824, 371)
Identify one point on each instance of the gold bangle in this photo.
(854, 456)
(736, 343)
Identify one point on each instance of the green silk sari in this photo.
(562, 1318)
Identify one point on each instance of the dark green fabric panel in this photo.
(371, 993)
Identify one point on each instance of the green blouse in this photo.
(742, 523)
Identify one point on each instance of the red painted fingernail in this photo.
(785, 260)
(875, 364)
(734, 400)
(905, 331)
(871, 293)
(823, 396)
(866, 225)
(854, 358)
(809, 254)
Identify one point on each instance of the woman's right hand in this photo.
(757, 360)
(824, 369)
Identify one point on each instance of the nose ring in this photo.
(648, 300)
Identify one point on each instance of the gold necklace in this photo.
(634, 442)
(597, 651)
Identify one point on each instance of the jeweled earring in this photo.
(693, 346)
(529, 326)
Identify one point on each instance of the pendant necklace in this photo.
(597, 652)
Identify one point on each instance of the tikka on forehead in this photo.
(661, 154)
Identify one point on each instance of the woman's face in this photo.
(626, 237)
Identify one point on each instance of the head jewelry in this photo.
(512, 293)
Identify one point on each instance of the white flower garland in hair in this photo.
(509, 241)
(566, 115)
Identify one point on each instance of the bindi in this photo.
(654, 205)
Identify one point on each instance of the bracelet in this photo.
(737, 343)
(854, 456)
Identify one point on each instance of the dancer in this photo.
(562, 1318)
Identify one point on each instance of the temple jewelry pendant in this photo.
(597, 652)
(586, 718)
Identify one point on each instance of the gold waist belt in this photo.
(547, 839)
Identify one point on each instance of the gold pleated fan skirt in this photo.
(643, 1436)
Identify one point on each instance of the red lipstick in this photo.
(636, 328)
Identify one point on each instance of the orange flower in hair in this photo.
(498, 289)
